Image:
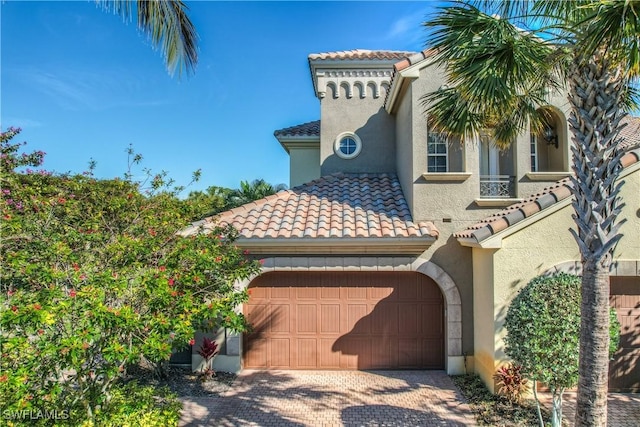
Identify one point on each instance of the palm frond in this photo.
(449, 112)
(167, 24)
(613, 27)
(499, 74)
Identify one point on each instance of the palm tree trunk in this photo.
(595, 93)
(594, 348)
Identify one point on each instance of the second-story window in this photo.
(437, 152)
(534, 152)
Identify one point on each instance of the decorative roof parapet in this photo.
(356, 73)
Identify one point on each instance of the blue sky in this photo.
(82, 84)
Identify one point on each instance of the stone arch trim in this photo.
(450, 292)
(452, 300)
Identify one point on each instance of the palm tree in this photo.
(168, 26)
(501, 60)
(248, 192)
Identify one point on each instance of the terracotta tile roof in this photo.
(338, 207)
(630, 133)
(528, 207)
(406, 62)
(361, 54)
(412, 59)
(305, 129)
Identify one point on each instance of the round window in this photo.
(347, 145)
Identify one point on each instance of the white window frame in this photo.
(338, 142)
(533, 148)
(442, 139)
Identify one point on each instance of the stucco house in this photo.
(399, 248)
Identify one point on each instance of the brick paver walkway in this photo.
(321, 398)
(623, 408)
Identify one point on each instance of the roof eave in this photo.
(400, 82)
(338, 246)
(298, 141)
(488, 240)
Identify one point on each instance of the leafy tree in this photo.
(94, 278)
(211, 201)
(543, 330)
(499, 76)
(167, 24)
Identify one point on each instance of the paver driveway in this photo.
(322, 398)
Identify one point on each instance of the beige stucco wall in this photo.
(404, 147)
(426, 198)
(304, 165)
(367, 118)
(483, 315)
(541, 243)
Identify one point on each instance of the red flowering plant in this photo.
(94, 278)
(208, 350)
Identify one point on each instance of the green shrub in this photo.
(93, 278)
(543, 333)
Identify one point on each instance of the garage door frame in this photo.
(345, 320)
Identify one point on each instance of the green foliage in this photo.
(219, 199)
(168, 27)
(133, 405)
(543, 330)
(94, 277)
(511, 382)
(494, 410)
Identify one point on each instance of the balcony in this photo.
(497, 186)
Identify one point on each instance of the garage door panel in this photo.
(383, 352)
(327, 358)
(356, 352)
(330, 293)
(408, 320)
(279, 353)
(279, 292)
(380, 292)
(306, 293)
(431, 349)
(330, 318)
(357, 322)
(408, 353)
(343, 320)
(307, 354)
(408, 291)
(385, 319)
(356, 293)
(429, 293)
(280, 320)
(256, 353)
(431, 319)
(306, 319)
(258, 315)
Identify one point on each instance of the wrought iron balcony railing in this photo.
(497, 186)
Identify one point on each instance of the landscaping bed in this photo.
(184, 382)
(493, 410)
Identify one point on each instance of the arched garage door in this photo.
(344, 320)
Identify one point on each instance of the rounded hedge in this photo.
(543, 330)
